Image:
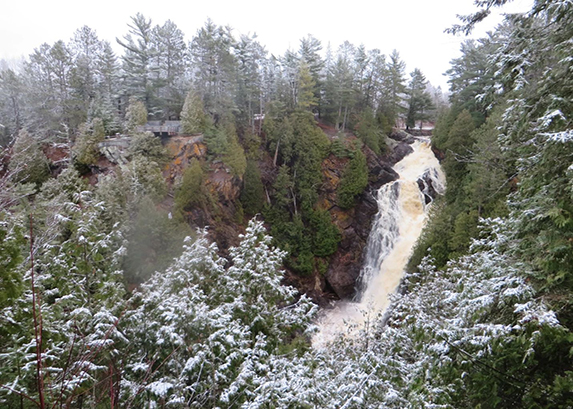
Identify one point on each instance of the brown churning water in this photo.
(402, 212)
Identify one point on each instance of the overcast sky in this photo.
(413, 27)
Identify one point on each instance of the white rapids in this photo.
(402, 211)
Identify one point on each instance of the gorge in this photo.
(257, 258)
(402, 209)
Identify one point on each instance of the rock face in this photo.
(223, 188)
(427, 187)
(222, 185)
(182, 150)
(439, 154)
(344, 266)
(58, 155)
(346, 263)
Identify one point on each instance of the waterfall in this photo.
(402, 209)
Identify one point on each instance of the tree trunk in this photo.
(36, 314)
(276, 153)
(268, 196)
(293, 195)
(294, 201)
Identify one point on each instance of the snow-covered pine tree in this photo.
(73, 303)
(193, 119)
(202, 333)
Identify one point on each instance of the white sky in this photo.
(413, 27)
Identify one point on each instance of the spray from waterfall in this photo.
(402, 209)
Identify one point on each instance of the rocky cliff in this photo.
(223, 214)
(339, 281)
(223, 188)
(354, 224)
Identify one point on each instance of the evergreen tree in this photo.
(367, 130)
(360, 65)
(234, 154)
(489, 175)
(138, 62)
(28, 163)
(136, 114)
(147, 146)
(354, 180)
(458, 145)
(169, 65)
(444, 123)
(85, 48)
(419, 100)
(11, 242)
(193, 119)
(86, 151)
(310, 146)
(325, 237)
(340, 87)
(106, 103)
(470, 75)
(435, 239)
(280, 135)
(191, 193)
(108, 72)
(306, 99)
(465, 229)
(290, 64)
(215, 68)
(283, 186)
(249, 94)
(373, 73)
(72, 305)
(216, 141)
(253, 193)
(143, 177)
(309, 51)
(395, 88)
(11, 105)
(48, 102)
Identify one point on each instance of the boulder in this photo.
(426, 185)
(343, 281)
(401, 150)
(402, 136)
(345, 265)
(380, 175)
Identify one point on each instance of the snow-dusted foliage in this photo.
(445, 332)
(535, 72)
(490, 328)
(211, 332)
(204, 333)
(66, 321)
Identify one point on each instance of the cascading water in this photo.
(402, 209)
